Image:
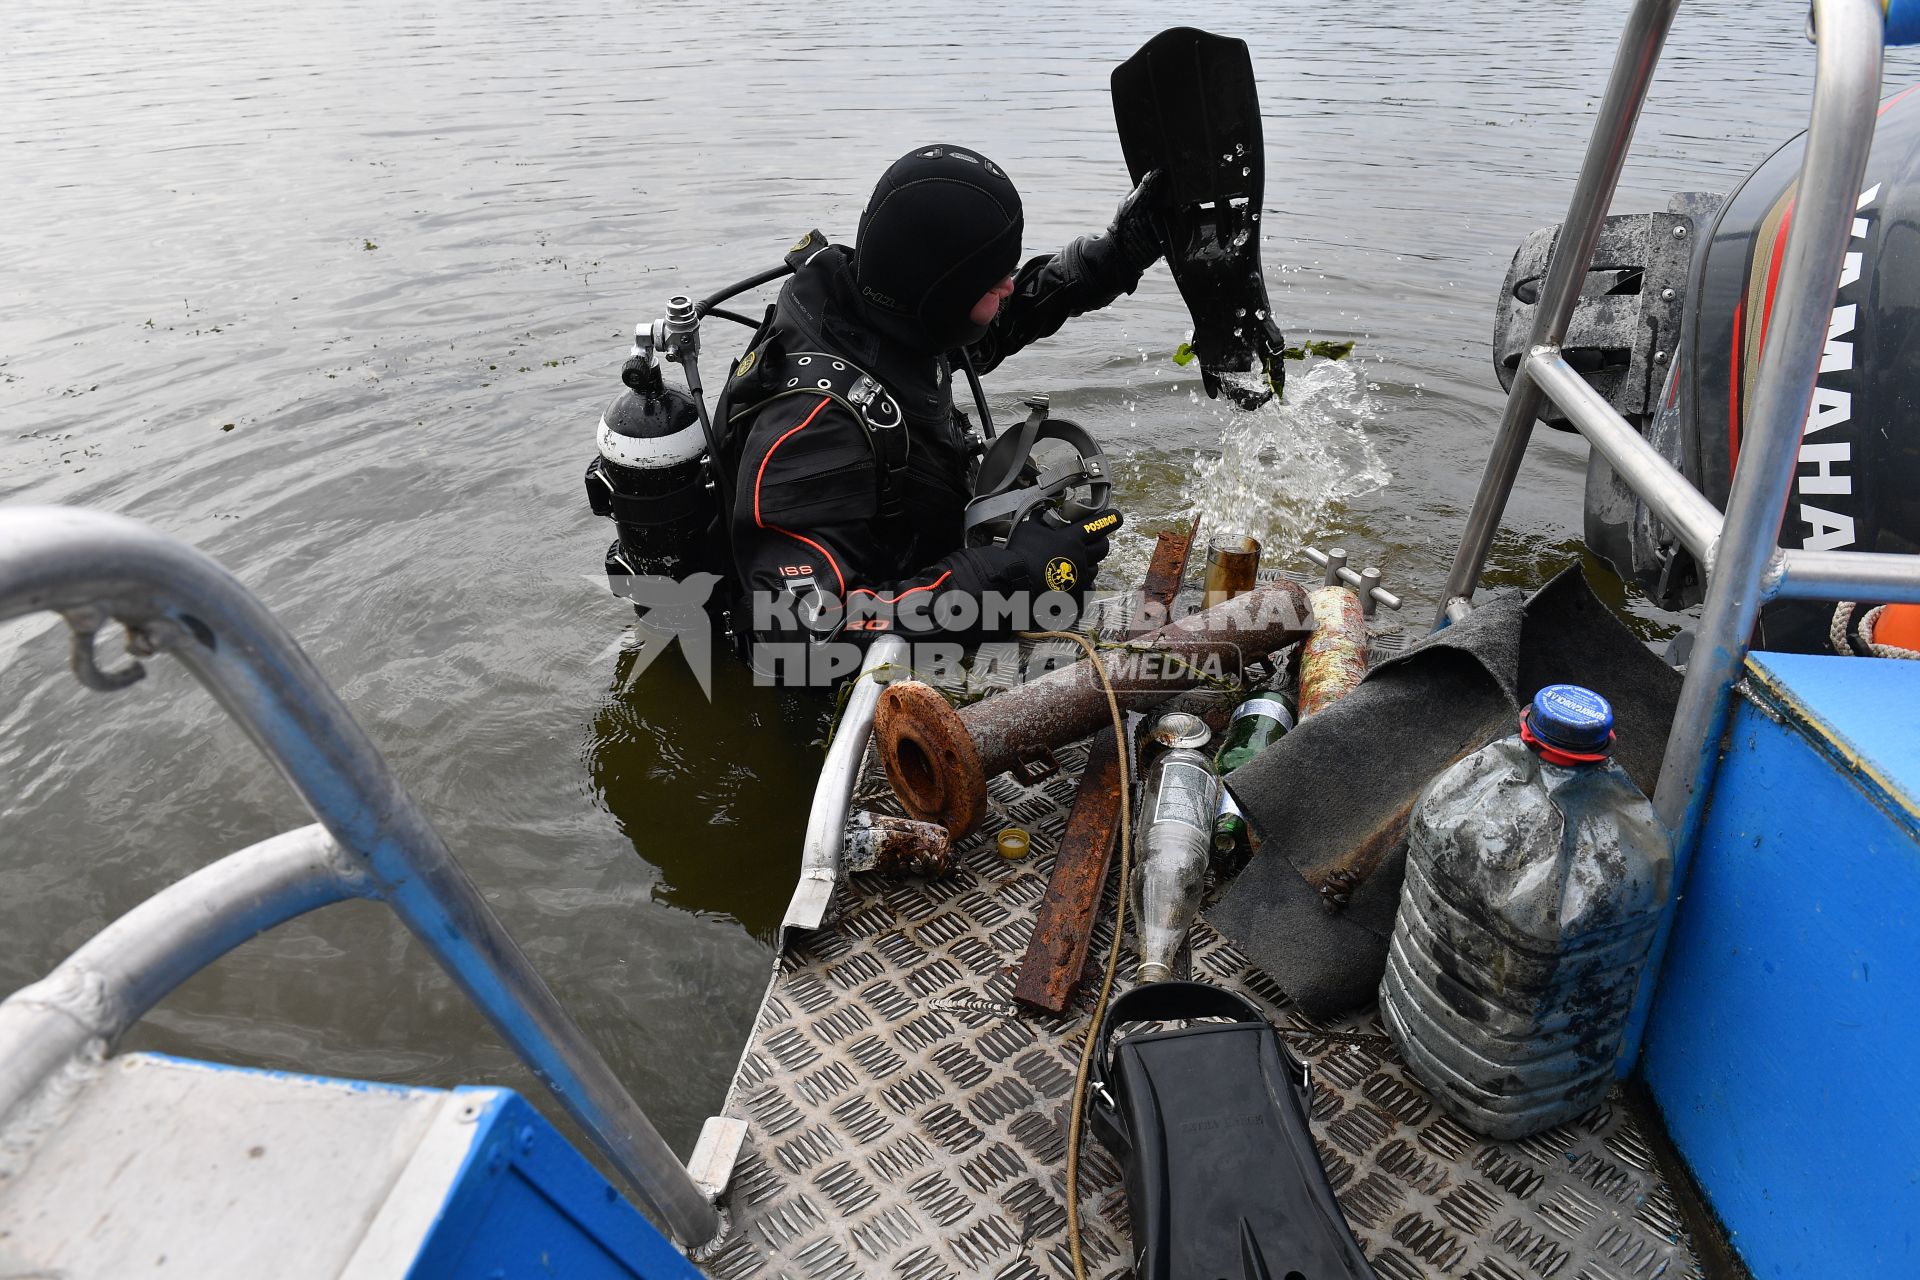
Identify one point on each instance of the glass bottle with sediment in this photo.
(1170, 852)
(1259, 722)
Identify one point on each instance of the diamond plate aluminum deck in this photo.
(906, 1119)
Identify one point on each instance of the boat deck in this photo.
(906, 1118)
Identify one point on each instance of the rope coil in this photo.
(1842, 634)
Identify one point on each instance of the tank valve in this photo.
(681, 329)
(648, 473)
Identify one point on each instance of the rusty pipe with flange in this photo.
(939, 758)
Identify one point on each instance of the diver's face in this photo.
(989, 305)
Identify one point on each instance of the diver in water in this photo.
(852, 465)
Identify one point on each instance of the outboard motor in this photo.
(650, 476)
(1858, 483)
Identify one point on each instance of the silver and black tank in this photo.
(650, 476)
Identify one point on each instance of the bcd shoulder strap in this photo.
(766, 374)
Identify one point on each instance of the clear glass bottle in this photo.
(1173, 832)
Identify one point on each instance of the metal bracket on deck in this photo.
(715, 1155)
(1033, 772)
(833, 793)
(1366, 583)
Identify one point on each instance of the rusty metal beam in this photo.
(1164, 574)
(1063, 926)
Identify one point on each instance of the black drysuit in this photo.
(807, 503)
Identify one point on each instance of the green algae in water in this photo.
(1325, 350)
(1183, 355)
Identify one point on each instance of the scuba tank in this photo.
(663, 468)
(650, 475)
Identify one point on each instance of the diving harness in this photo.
(665, 468)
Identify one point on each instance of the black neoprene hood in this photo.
(942, 228)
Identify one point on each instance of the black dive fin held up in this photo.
(1186, 105)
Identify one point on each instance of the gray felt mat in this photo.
(1330, 801)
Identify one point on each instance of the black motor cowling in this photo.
(651, 477)
(1857, 487)
(1858, 484)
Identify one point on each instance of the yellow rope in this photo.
(1075, 1122)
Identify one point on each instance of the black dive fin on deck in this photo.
(1186, 105)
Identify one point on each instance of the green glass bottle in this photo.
(1257, 723)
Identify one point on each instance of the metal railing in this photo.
(833, 793)
(1739, 551)
(372, 841)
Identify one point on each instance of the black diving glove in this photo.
(1132, 230)
(1043, 556)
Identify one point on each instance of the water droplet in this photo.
(1278, 470)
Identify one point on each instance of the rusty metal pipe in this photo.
(1334, 661)
(939, 758)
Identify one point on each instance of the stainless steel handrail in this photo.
(1739, 552)
(173, 599)
(1633, 67)
(102, 989)
(1793, 573)
(1846, 94)
(1679, 505)
(833, 793)
(1881, 576)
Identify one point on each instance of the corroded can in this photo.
(888, 845)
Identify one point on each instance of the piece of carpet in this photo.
(1330, 801)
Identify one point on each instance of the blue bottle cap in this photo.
(1572, 718)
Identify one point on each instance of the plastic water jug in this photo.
(1536, 871)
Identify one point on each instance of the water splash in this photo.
(1282, 466)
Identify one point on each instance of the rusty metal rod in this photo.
(1164, 573)
(1063, 923)
(939, 759)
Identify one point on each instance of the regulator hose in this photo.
(706, 305)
